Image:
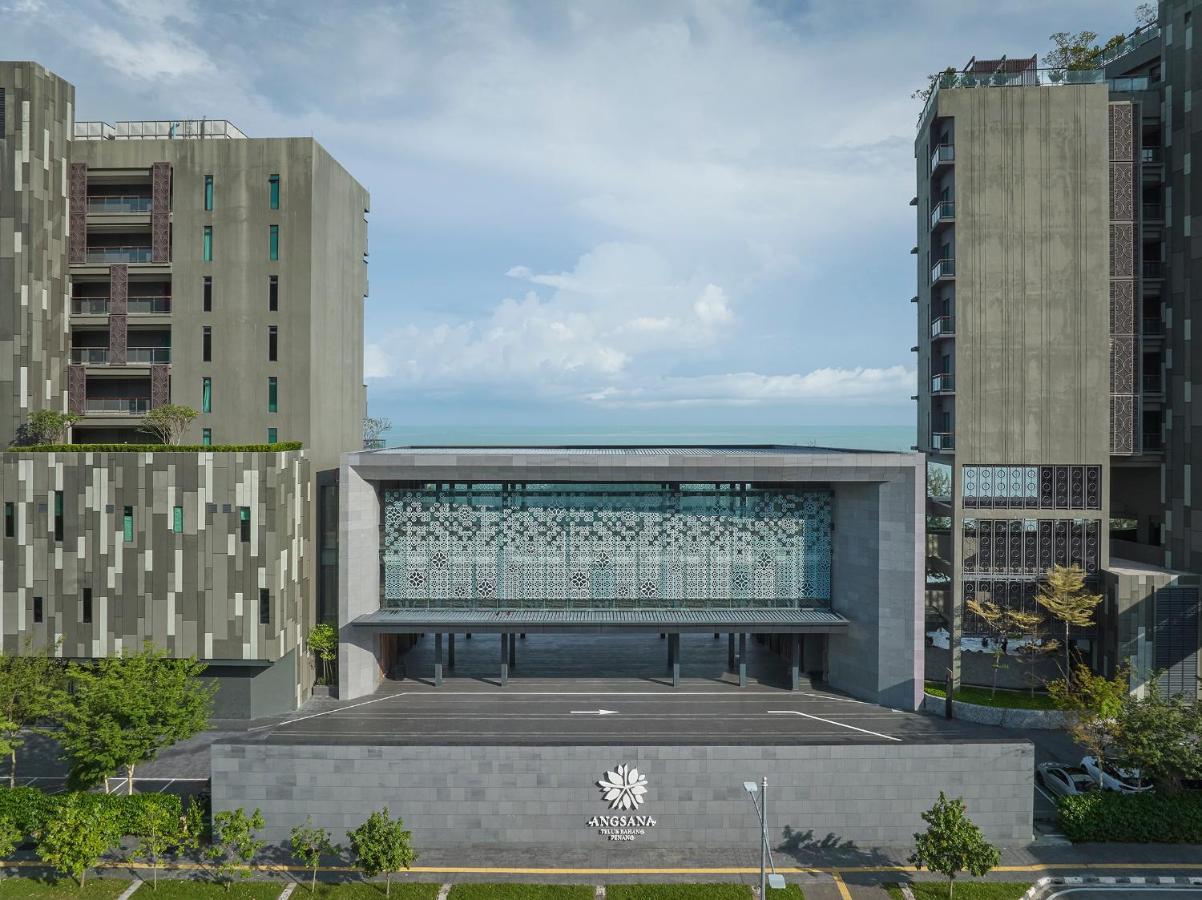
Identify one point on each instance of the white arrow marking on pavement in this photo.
(796, 712)
(594, 712)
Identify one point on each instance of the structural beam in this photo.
(743, 660)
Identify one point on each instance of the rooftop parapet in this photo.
(158, 130)
(973, 78)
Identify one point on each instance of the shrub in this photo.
(1132, 818)
(160, 448)
(29, 809)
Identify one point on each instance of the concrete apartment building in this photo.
(144, 263)
(1054, 340)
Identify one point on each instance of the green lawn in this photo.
(521, 892)
(14, 887)
(1004, 698)
(183, 889)
(363, 891)
(694, 892)
(966, 890)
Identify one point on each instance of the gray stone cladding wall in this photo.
(35, 137)
(194, 592)
(462, 797)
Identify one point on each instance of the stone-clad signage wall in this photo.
(557, 797)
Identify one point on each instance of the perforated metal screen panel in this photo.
(1177, 617)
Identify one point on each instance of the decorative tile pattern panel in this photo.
(1122, 424)
(1122, 307)
(604, 544)
(118, 289)
(1030, 547)
(1124, 204)
(77, 389)
(1122, 364)
(1031, 487)
(1122, 191)
(160, 385)
(77, 243)
(160, 212)
(118, 335)
(1122, 132)
(1122, 250)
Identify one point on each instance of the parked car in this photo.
(1112, 778)
(1064, 780)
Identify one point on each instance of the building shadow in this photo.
(806, 849)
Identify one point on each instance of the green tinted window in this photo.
(177, 519)
(273, 242)
(128, 524)
(272, 436)
(208, 192)
(207, 249)
(206, 436)
(273, 394)
(273, 184)
(206, 395)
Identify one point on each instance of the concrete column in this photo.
(795, 662)
(671, 651)
(743, 660)
(450, 651)
(676, 660)
(513, 651)
(504, 660)
(438, 660)
(730, 652)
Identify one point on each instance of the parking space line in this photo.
(797, 712)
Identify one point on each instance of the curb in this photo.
(1043, 886)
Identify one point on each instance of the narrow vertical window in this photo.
(209, 193)
(86, 611)
(127, 524)
(208, 294)
(10, 519)
(264, 606)
(207, 254)
(273, 293)
(273, 242)
(206, 344)
(177, 519)
(272, 436)
(37, 610)
(244, 524)
(58, 515)
(206, 395)
(273, 343)
(206, 437)
(273, 394)
(273, 186)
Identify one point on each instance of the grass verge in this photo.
(521, 892)
(14, 887)
(966, 890)
(360, 891)
(694, 892)
(1004, 698)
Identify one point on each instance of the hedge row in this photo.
(1132, 818)
(29, 808)
(159, 448)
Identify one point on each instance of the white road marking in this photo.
(328, 711)
(797, 712)
(594, 712)
(1046, 795)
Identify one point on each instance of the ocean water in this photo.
(851, 437)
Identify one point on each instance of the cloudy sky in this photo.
(606, 213)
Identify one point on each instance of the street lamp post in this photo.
(773, 880)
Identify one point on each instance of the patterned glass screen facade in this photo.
(1032, 487)
(604, 545)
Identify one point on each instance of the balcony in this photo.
(1152, 383)
(1153, 269)
(944, 326)
(943, 383)
(136, 306)
(1152, 442)
(119, 204)
(943, 155)
(943, 212)
(120, 254)
(148, 355)
(1150, 155)
(90, 356)
(943, 441)
(1153, 327)
(944, 270)
(1153, 212)
(117, 406)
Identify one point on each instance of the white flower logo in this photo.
(624, 787)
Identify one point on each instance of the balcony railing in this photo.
(90, 356)
(1136, 39)
(944, 211)
(944, 269)
(1153, 327)
(944, 81)
(942, 154)
(1152, 383)
(99, 306)
(943, 440)
(120, 406)
(1150, 155)
(1152, 442)
(119, 204)
(129, 254)
(1153, 269)
(1153, 212)
(150, 355)
(944, 326)
(943, 383)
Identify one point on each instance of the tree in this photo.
(234, 844)
(77, 835)
(323, 641)
(169, 422)
(1160, 737)
(161, 832)
(374, 429)
(1078, 51)
(10, 836)
(1145, 15)
(1092, 703)
(46, 426)
(382, 846)
(1064, 596)
(997, 619)
(125, 709)
(309, 844)
(946, 78)
(952, 843)
(32, 689)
